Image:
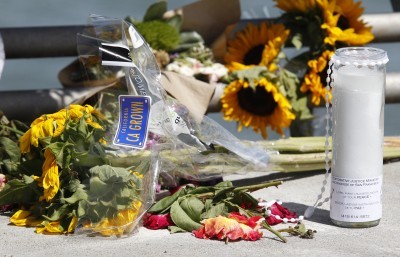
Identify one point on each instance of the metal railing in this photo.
(60, 41)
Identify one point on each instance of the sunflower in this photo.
(342, 23)
(52, 125)
(312, 80)
(338, 23)
(256, 45)
(257, 107)
(302, 6)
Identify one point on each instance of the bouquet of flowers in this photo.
(61, 178)
(264, 87)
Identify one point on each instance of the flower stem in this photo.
(275, 232)
(16, 131)
(252, 188)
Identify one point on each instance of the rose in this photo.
(233, 227)
(157, 221)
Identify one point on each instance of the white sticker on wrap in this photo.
(163, 117)
(356, 200)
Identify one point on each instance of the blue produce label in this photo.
(134, 112)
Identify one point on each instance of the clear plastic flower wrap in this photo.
(146, 123)
(172, 129)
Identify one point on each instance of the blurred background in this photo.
(41, 73)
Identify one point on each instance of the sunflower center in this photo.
(258, 101)
(254, 55)
(343, 22)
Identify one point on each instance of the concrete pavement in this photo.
(297, 192)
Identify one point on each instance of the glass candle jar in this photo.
(358, 98)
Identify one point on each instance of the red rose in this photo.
(157, 221)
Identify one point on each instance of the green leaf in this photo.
(175, 21)
(175, 229)
(165, 203)
(298, 64)
(56, 212)
(89, 160)
(182, 219)
(83, 127)
(222, 194)
(111, 174)
(243, 198)
(250, 74)
(190, 37)
(82, 206)
(11, 167)
(224, 184)
(155, 11)
(301, 109)
(214, 211)
(202, 190)
(193, 207)
(11, 148)
(79, 195)
(74, 185)
(290, 83)
(17, 191)
(98, 187)
(57, 149)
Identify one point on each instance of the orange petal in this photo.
(222, 227)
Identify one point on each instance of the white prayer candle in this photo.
(357, 136)
(358, 127)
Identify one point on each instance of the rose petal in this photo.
(277, 209)
(250, 233)
(253, 222)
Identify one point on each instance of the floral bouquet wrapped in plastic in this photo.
(61, 179)
(61, 172)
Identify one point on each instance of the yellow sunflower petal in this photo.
(51, 180)
(25, 142)
(53, 227)
(24, 218)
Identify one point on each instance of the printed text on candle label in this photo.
(356, 200)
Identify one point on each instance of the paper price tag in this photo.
(133, 121)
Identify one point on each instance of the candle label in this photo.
(356, 200)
